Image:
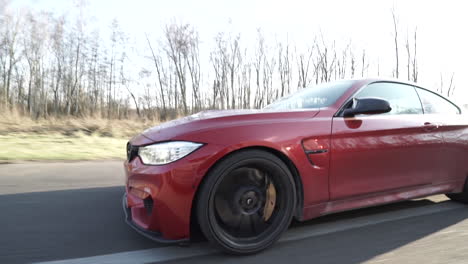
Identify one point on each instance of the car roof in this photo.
(380, 79)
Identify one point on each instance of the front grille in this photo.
(148, 202)
(132, 151)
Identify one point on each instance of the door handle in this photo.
(428, 126)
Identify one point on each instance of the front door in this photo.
(383, 152)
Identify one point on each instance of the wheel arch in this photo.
(194, 227)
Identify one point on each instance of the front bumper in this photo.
(159, 199)
(155, 236)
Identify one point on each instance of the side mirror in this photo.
(367, 106)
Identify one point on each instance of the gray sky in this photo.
(442, 36)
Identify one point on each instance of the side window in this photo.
(403, 98)
(435, 104)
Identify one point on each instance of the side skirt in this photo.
(369, 200)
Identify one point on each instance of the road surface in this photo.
(71, 213)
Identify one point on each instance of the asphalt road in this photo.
(71, 212)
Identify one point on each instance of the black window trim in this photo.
(340, 111)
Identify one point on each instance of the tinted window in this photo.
(322, 95)
(435, 104)
(402, 98)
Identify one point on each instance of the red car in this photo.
(241, 176)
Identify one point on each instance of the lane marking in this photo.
(142, 256)
(362, 221)
(175, 252)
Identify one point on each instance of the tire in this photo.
(460, 197)
(246, 202)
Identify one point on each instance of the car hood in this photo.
(214, 119)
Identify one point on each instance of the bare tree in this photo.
(326, 59)
(258, 65)
(411, 64)
(10, 44)
(47, 62)
(450, 88)
(303, 64)
(126, 83)
(395, 28)
(116, 39)
(284, 68)
(162, 79)
(415, 62)
(245, 83)
(50, 64)
(365, 63)
(193, 63)
(180, 40)
(378, 66)
(342, 62)
(34, 55)
(408, 53)
(233, 66)
(59, 53)
(218, 59)
(267, 94)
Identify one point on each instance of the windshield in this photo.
(322, 95)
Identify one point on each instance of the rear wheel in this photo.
(246, 202)
(460, 197)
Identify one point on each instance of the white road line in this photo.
(175, 252)
(142, 256)
(342, 225)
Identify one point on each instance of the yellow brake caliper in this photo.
(270, 202)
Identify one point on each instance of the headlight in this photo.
(163, 153)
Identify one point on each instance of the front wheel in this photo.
(246, 202)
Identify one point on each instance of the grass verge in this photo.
(23, 139)
(27, 146)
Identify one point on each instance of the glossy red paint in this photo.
(342, 163)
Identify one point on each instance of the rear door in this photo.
(383, 152)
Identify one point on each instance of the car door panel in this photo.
(383, 152)
(454, 130)
(380, 153)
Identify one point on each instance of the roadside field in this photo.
(29, 146)
(23, 139)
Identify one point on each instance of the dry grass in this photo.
(65, 139)
(69, 127)
(27, 146)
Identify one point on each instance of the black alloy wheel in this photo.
(246, 202)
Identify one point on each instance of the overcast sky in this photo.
(441, 25)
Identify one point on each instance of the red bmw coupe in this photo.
(241, 176)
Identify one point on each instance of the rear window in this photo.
(436, 104)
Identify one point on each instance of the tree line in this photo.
(53, 66)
